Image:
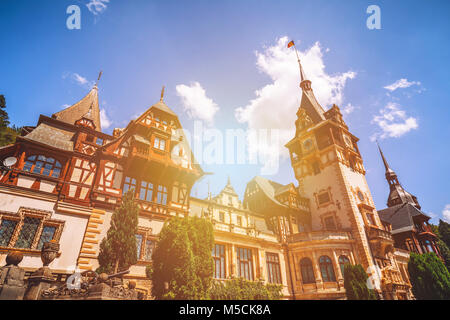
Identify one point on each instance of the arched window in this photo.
(41, 164)
(306, 268)
(326, 269)
(343, 260)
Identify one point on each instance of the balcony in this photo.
(380, 240)
(319, 236)
(379, 234)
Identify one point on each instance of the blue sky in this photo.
(222, 46)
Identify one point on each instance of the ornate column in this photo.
(315, 263)
(340, 276)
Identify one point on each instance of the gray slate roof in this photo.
(401, 217)
(51, 136)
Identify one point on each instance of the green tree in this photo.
(118, 248)
(429, 277)
(7, 134)
(355, 283)
(444, 250)
(241, 289)
(4, 118)
(182, 265)
(444, 232)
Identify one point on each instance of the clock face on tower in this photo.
(307, 144)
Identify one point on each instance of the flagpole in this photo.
(298, 60)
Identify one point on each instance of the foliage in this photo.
(444, 232)
(118, 248)
(445, 252)
(355, 283)
(442, 246)
(241, 289)
(182, 266)
(429, 277)
(8, 133)
(4, 118)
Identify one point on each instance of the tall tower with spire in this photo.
(329, 169)
(397, 194)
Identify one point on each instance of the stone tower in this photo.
(329, 169)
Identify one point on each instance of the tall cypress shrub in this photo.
(118, 249)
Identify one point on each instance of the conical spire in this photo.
(88, 106)
(386, 165)
(309, 101)
(397, 194)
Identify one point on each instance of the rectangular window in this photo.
(273, 268)
(323, 197)
(138, 245)
(239, 221)
(162, 195)
(159, 144)
(149, 245)
(130, 183)
(222, 216)
(28, 232)
(316, 168)
(218, 254)
(370, 219)
(329, 223)
(99, 141)
(146, 191)
(47, 234)
(6, 231)
(244, 263)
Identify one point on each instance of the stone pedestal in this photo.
(42, 279)
(39, 281)
(12, 286)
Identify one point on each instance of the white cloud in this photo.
(349, 108)
(80, 80)
(446, 213)
(393, 122)
(65, 106)
(97, 6)
(104, 120)
(402, 83)
(276, 104)
(196, 103)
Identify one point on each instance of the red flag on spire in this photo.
(290, 44)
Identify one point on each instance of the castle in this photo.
(63, 178)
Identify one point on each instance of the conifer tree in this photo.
(182, 264)
(444, 232)
(355, 283)
(118, 249)
(429, 277)
(4, 118)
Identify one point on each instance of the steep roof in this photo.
(312, 106)
(269, 188)
(401, 216)
(51, 136)
(85, 108)
(160, 105)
